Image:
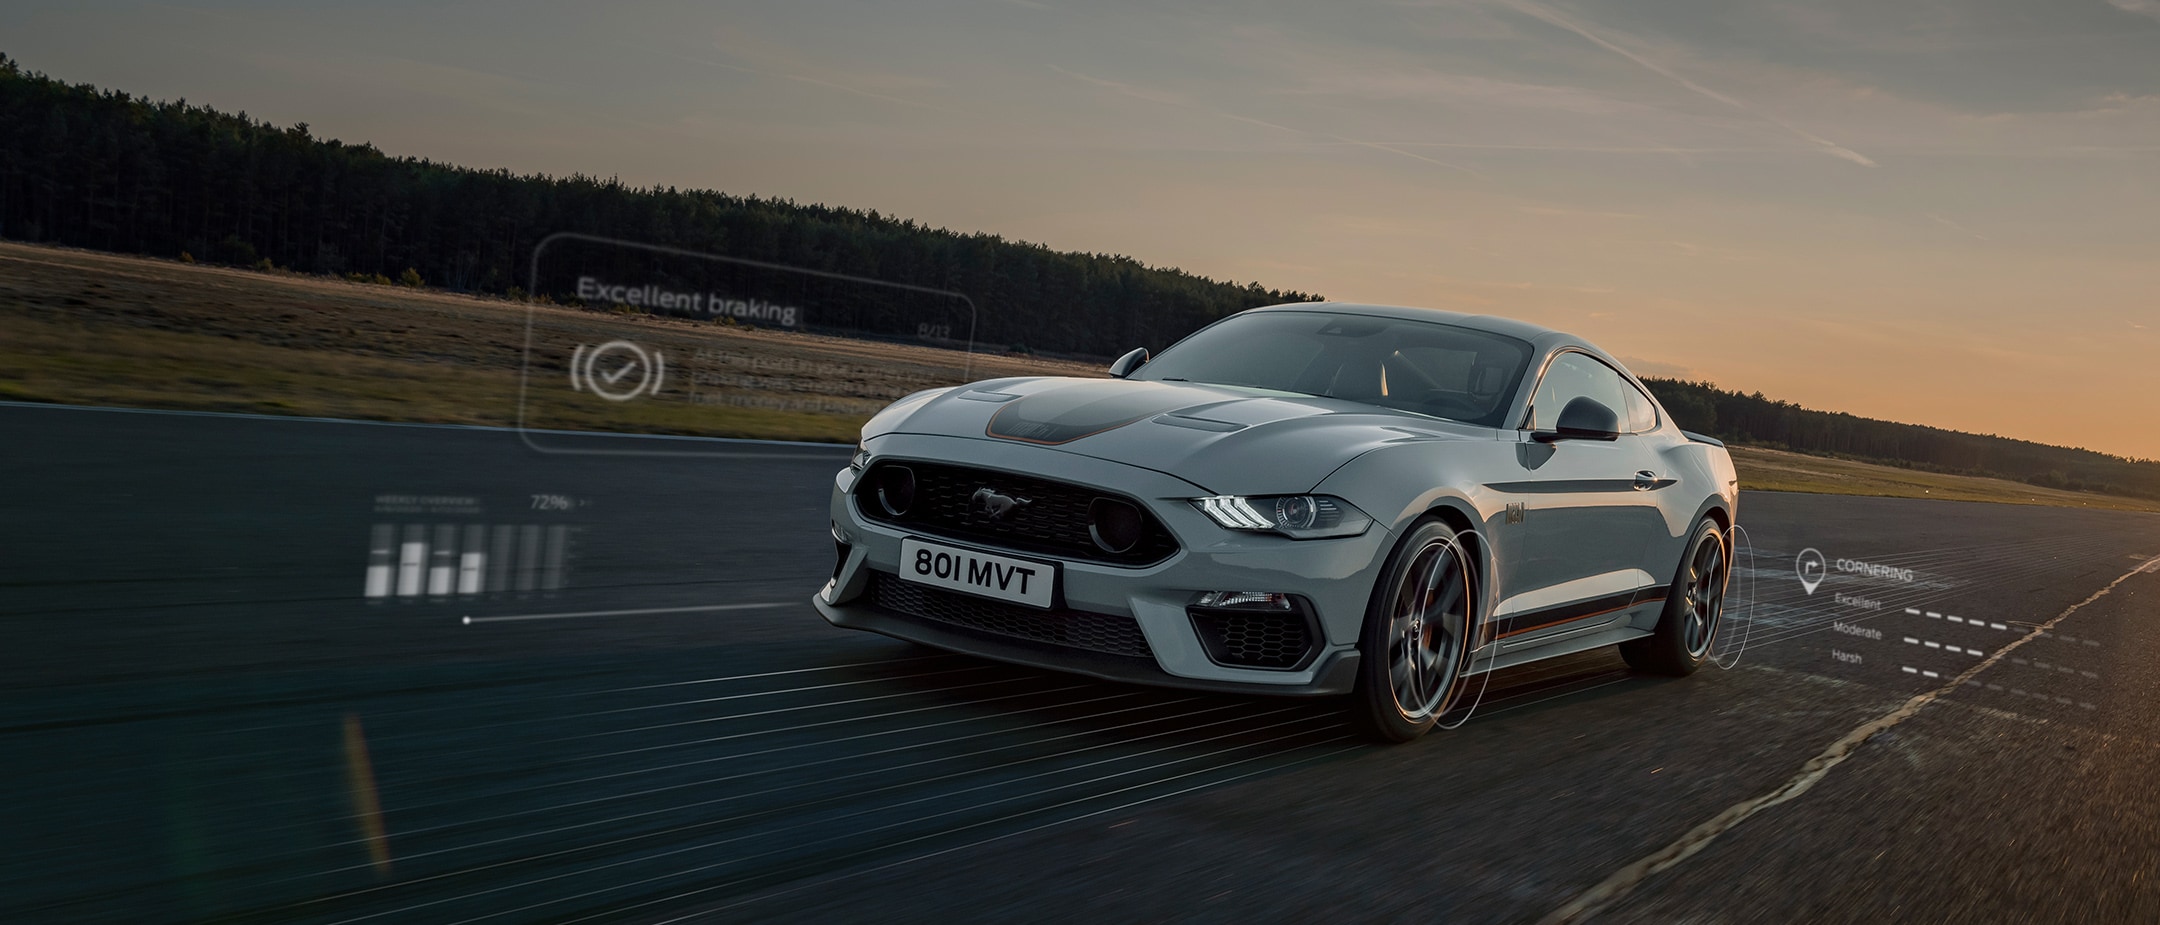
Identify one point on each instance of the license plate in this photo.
(1021, 581)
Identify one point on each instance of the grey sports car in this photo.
(1309, 499)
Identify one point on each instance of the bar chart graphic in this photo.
(448, 560)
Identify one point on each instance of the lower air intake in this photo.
(1079, 629)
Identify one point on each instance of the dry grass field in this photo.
(1777, 470)
(87, 328)
(81, 327)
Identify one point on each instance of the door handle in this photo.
(1645, 480)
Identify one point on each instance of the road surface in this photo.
(602, 696)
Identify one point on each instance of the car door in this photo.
(1586, 508)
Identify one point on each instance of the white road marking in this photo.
(308, 419)
(470, 620)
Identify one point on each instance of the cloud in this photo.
(792, 67)
(1960, 229)
(1174, 99)
(1825, 145)
(2141, 7)
(1424, 84)
(1577, 213)
(1593, 149)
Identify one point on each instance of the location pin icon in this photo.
(1812, 567)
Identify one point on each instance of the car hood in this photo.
(1226, 439)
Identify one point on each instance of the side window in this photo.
(1641, 411)
(1572, 376)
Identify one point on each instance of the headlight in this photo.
(1300, 517)
(861, 459)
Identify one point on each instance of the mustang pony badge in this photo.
(994, 506)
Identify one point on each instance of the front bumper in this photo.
(1335, 575)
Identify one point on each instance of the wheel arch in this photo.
(1714, 510)
(1458, 515)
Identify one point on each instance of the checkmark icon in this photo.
(617, 370)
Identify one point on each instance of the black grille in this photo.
(1255, 639)
(1053, 522)
(1097, 632)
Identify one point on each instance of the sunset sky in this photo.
(1936, 212)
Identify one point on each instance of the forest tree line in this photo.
(109, 171)
(105, 170)
(1754, 419)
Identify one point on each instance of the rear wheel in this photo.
(1693, 608)
(1414, 636)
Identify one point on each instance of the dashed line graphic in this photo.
(1953, 618)
(1932, 644)
(2015, 660)
(2072, 639)
(2014, 691)
(2051, 666)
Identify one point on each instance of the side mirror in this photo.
(1583, 418)
(1125, 365)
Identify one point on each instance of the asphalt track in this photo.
(205, 718)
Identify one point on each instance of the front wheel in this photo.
(1693, 608)
(1414, 636)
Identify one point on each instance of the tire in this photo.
(1414, 641)
(1694, 609)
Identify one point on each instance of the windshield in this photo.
(1421, 366)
